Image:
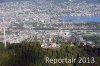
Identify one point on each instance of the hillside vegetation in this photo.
(31, 54)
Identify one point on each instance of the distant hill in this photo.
(57, 1)
(88, 1)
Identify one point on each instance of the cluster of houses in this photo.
(68, 37)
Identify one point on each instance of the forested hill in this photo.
(31, 54)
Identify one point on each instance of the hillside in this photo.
(31, 54)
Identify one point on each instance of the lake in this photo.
(81, 18)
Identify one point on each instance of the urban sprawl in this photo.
(40, 21)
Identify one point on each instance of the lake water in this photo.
(81, 18)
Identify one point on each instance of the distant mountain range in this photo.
(57, 1)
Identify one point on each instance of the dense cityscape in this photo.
(32, 31)
(40, 20)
